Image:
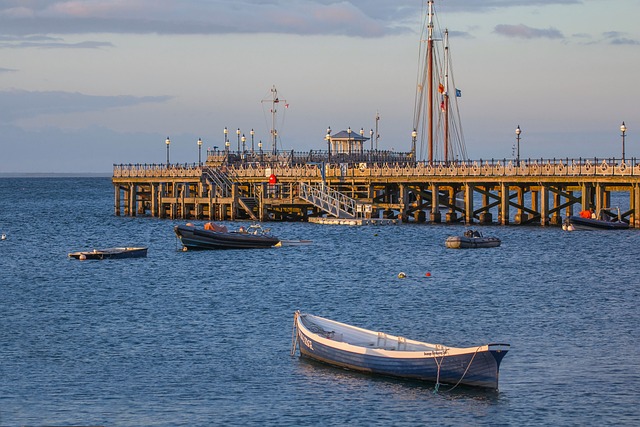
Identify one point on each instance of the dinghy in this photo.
(358, 349)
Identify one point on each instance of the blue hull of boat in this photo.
(111, 253)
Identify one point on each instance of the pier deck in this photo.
(484, 191)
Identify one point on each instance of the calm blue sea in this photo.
(204, 338)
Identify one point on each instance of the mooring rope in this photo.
(461, 378)
(294, 337)
(435, 359)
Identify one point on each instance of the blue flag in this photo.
(458, 93)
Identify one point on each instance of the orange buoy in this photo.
(427, 274)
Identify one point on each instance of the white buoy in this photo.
(402, 275)
(82, 257)
(3, 237)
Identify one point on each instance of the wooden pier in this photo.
(297, 187)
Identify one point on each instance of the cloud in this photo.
(7, 70)
(361, 18)
(525, 32)
(21, 104)
(56, 45)
(618, 38)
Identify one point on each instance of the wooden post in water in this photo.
(569, 207)
(586, 197)
(468, 203)
(635, 205)
(234, 202)
(116, 202)
(544, 206)
(436, 217)
(504, 204)
(556, 218)
(521, 216)
(452, 215)
(485, 216)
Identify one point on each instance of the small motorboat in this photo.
(214, 236)
(351, 347)
(111, 253)
(587, 220)
(470, 240)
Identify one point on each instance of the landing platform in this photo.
(349, 221)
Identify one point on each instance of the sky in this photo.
(86, 84)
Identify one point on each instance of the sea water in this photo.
(204, 338)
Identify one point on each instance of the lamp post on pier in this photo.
(518, 132)
(252, 146)
(414, 137)
(168, 142)
(328, 138)
(623, 129)
(226, 138)
(238, 133)
(199, 151)
(244, 140)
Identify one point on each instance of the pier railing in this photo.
(472, 168)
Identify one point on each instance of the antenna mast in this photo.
(274, 132)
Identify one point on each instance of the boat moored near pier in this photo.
(111, 253)
(217, 237)
(472, 239)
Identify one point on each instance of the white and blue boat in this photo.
(358, 349)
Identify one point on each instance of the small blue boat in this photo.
(110, 253)
(358, 349)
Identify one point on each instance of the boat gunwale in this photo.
(438, 351)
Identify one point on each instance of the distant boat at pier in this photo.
(588, 221)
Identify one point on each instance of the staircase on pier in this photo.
(329, 200)
(222, 186)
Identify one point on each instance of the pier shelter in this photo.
(299, 186)
(346, 142)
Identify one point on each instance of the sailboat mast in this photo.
(430, 80)
(377, 134)
(446, 95)
(274, 134)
